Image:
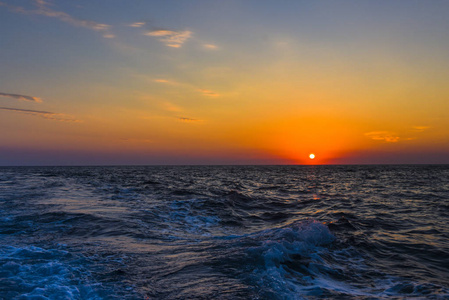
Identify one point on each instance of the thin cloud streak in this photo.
(170, 38)
(21, 97)
(391, 137)
(137, 24)
(44, 10)
(208, 93)
(386, 136)
(164, 81)
(204, 92)
(44, 114)
(421, 128)
(185, 119)
(210, 46)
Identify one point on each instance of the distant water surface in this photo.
(224, 232)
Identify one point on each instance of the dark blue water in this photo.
(224, 232)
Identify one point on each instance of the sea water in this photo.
(224, 232)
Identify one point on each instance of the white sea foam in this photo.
(298, 243)
(36, 273)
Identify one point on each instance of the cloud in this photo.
(420, 128)
(170, 38)
(44, 10)
(386, 136)
(391, 137)
(164, 81)
(137, 24)
(208, 93)
(205, 92)
(161, 32)
(43, 114)
(21, 97)
(210, 46)
(185, 119)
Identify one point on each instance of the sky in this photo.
(131, 82)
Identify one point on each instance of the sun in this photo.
(312, 156)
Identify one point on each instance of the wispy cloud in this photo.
(420, 128)
(210, 46)
(137, 24)
(170, 38)
(166, 81)
(21, 97)
(392, 137)
(204, 92)
(208, 93)
(42, 8)
(43, 114)
(190, 120)
(386, 136)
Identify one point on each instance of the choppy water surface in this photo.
(224, 232)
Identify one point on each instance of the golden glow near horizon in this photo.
(334, 81)
(312, 156)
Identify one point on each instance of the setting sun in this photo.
(312, 156)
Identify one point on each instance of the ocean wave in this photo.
(286, 259)
(224, 232)
(36, 273)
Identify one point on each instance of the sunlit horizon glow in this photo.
(223, 82)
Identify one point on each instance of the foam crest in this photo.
(308, 233)
(288, 258)
(36, 273)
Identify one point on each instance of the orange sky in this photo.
(223, 83)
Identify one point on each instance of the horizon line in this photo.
(225, 165)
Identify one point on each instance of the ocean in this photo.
(224, 232)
